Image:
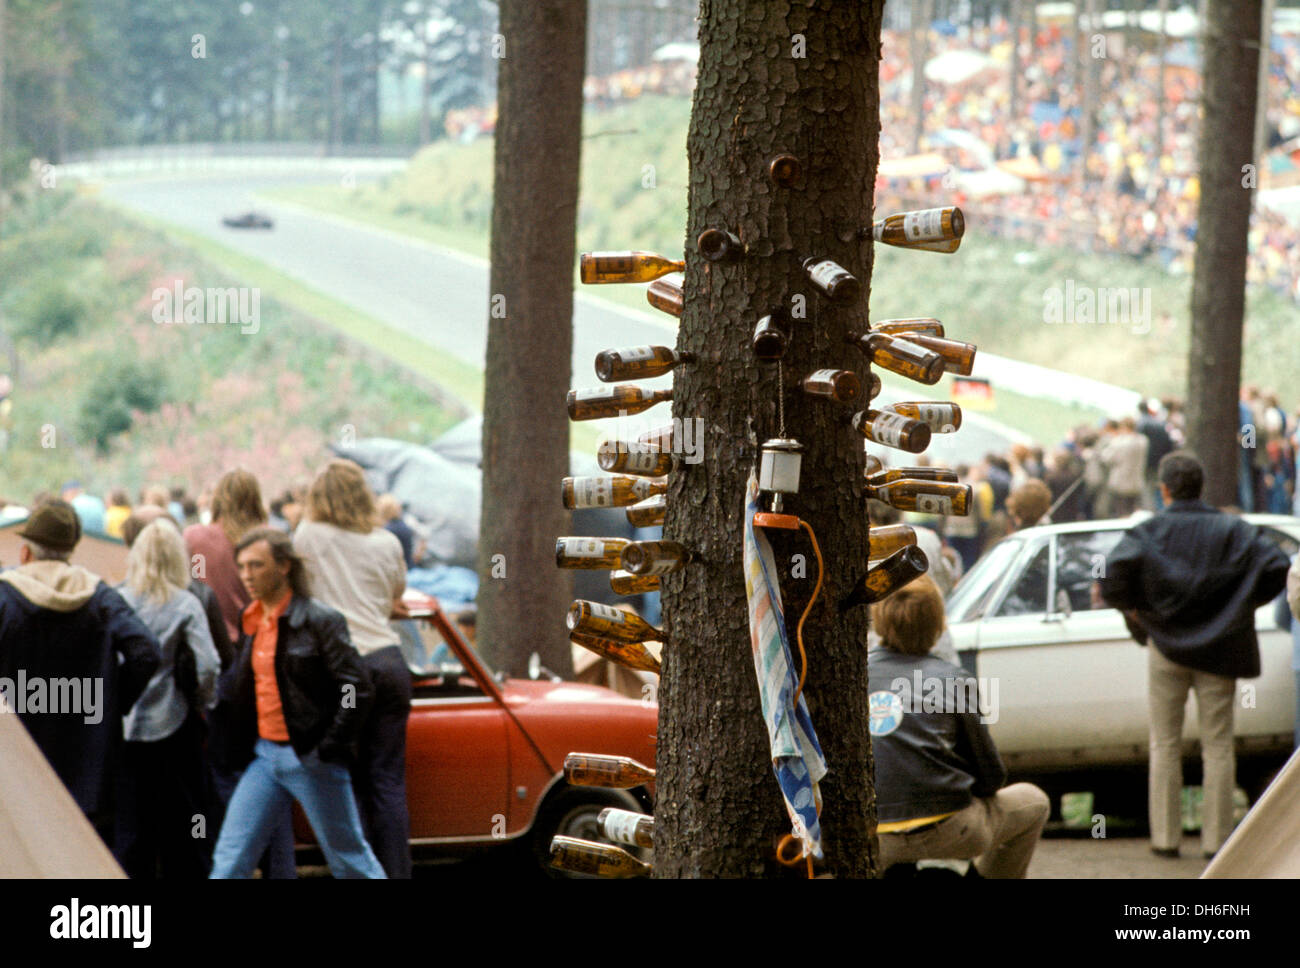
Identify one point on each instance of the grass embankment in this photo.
(108, 395)
(992, 292)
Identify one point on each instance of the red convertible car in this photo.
(484, 752)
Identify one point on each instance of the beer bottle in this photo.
(661, 439)
(921, 229)
(892, 430)
(958, 357)
(634, 655)
(602, 267)
(637, 362)
(599, 860)
(666, 295)
(618, 457)
(624, 398)
(831, 279)
(842, 386)
(626, 827)
(873, 385)
(924, 497)
(924, 325)
(590, 553)
(719, 245)
(901, 355)
(772, 336)
(874, 466)
(625, 583)
(654, 557)
(608, 492)
(885, 539)
(617, 772)
(649, 513)
(784, 170)
(606, 622)
(882, 477)
(940, 416)
(887, 577)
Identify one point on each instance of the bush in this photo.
(52, 311)
(114, 392)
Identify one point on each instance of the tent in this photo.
(1267, 842)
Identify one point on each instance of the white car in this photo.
(1066, 685)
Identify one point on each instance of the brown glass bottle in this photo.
(958, 357)
(598, 860)
(608, 492)
(607, 622)
(887, 577)
(616, 772)
(625, 583)
(666, 295)
(623, 398)
(618, 457)
(603, 267)
(649, 513)
(883, 540)
(873, 385)
(922, 228)
(832, 280)
(784, 170)
(924, 497)
(590, 553)
(654, 557)
(719, 245)
(892, 430)
(626, 827)
(772, 336)
(841, 386)
(940, 416)
(634, 655)
(637, 362)
(901, 355)
(925, 325)
(882, 477)
(874, 465)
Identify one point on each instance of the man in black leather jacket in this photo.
(1190, 579)
(301, 693)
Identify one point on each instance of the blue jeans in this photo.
(324, 790)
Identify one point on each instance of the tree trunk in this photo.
(718, 807)
(522, 596)
(1231, 34)
(922, 13)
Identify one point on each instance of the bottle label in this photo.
(641, 488)
(936, 415)
(636, 354)
(594, 393)
(584, 548)
(888, 429)
(926, 226)
(608, 612)
(822, 376)
(641, 460)
(620, 826)
(933, 504)
(593, 492)
(661, 566)
(824, 273)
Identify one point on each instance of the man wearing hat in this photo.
(62, 631)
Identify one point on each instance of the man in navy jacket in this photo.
(73, 658)
(1190, 579)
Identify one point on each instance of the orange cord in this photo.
(788, 839)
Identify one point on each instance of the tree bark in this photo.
(1232, 33)
(718, 807)
(522, 596)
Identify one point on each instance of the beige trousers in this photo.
(1000, 832)
(1167, 687)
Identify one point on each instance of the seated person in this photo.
(938, 775)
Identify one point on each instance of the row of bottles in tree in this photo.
(624, 827)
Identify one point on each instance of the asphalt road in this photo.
(435, 294)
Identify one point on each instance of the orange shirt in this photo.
(265, 628)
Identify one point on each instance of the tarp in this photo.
(1267, 842)
(957, 66)
(913, 166)
(43, 832)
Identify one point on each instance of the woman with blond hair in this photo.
(161, 778)
(356, 566)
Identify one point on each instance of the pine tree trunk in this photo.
(1232, 33)
(522, 596)
(718, 808)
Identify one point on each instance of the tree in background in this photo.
(522, 595)
(802, 79)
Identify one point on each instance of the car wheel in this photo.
(573, 813)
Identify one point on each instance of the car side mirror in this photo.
(1063, 604)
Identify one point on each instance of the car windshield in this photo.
(970, 597)
(438, 653)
